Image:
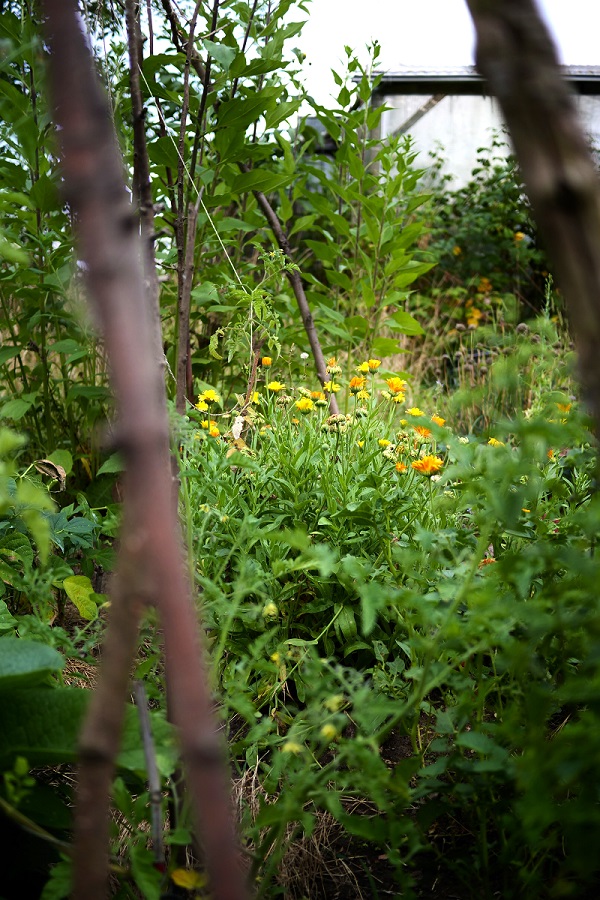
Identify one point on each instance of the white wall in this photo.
(461, 125)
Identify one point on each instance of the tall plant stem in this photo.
(150, 568)
(295, 281)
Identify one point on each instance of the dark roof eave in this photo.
(467, 83)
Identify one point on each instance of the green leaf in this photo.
(223, 54)
(24, 663)
(80, 591)
(403, 322)
(16, 409)
(259, 180)
(112, 465)
(62, 458)
(60, 883)
(145, 875)
(385, 347)
(7, 622)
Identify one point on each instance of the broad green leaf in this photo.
(146, 876)
(385, 347)
(259, 180)
(112, 465)
(7, 622)
(24, 663)
(16, 409)
(223, 54)
(62, 458)
(403, 322)
(80, 591)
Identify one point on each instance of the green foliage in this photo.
(350, 604)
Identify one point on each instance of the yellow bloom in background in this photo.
(383, 442)
(331, 387)
(484, 286)
(275, 386)
(474, 316)
(428, 465)
(438, 420)
(317, 395)
(332, 361)
(396, 385)
(495, 443)
(201, 405)
(266, 361)
(304, 405)
(360, 444)
(398, 398)
(415, 411)
(519, 236)
(329, 732)
(188, 879)
(424, 432)
(373, 364)
(456, 251)
(209, 396)
(214, 431)
(400, 467)
(363, 395)
(564, 407)
(292, 747)
(364, 367)
(357, 384)
(270, 610)
(255, 398)
(208, 423)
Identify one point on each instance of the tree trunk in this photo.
(150, 568)
(516, 55)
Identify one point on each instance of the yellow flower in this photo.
(270, 610)
(398, 398)
(495, 443)
(209, 396)
(304, 405)
(276, 657)
(255, 398)
(334, 702)
(360, 444)
(332, 361)
(201, 405)
(363, 395)
(188, 879)
(400, 467)
(357, 384)
(456, 250)
(295, 421)
(438, 420)
(329, 732)
(383, 442)
(331, 387)
(525, 510)
(317, 395)
(486, 561)
(292, 747)
(363, 367)
(214, 431)
(424, 432)
(396, 385)
(428, 465)
(373, 364)
(275, 386)
(415, 411)
(564, 407)
(266, 361)
(206, 423)
(519, 236)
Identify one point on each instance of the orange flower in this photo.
(438, 420)
(400, 467)
(373, 364)
(357, 384)
(428, 465)
(424, 432)
(396, 385)
(266, 361)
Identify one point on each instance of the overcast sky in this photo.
(427, 33)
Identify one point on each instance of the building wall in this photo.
(459, 125)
